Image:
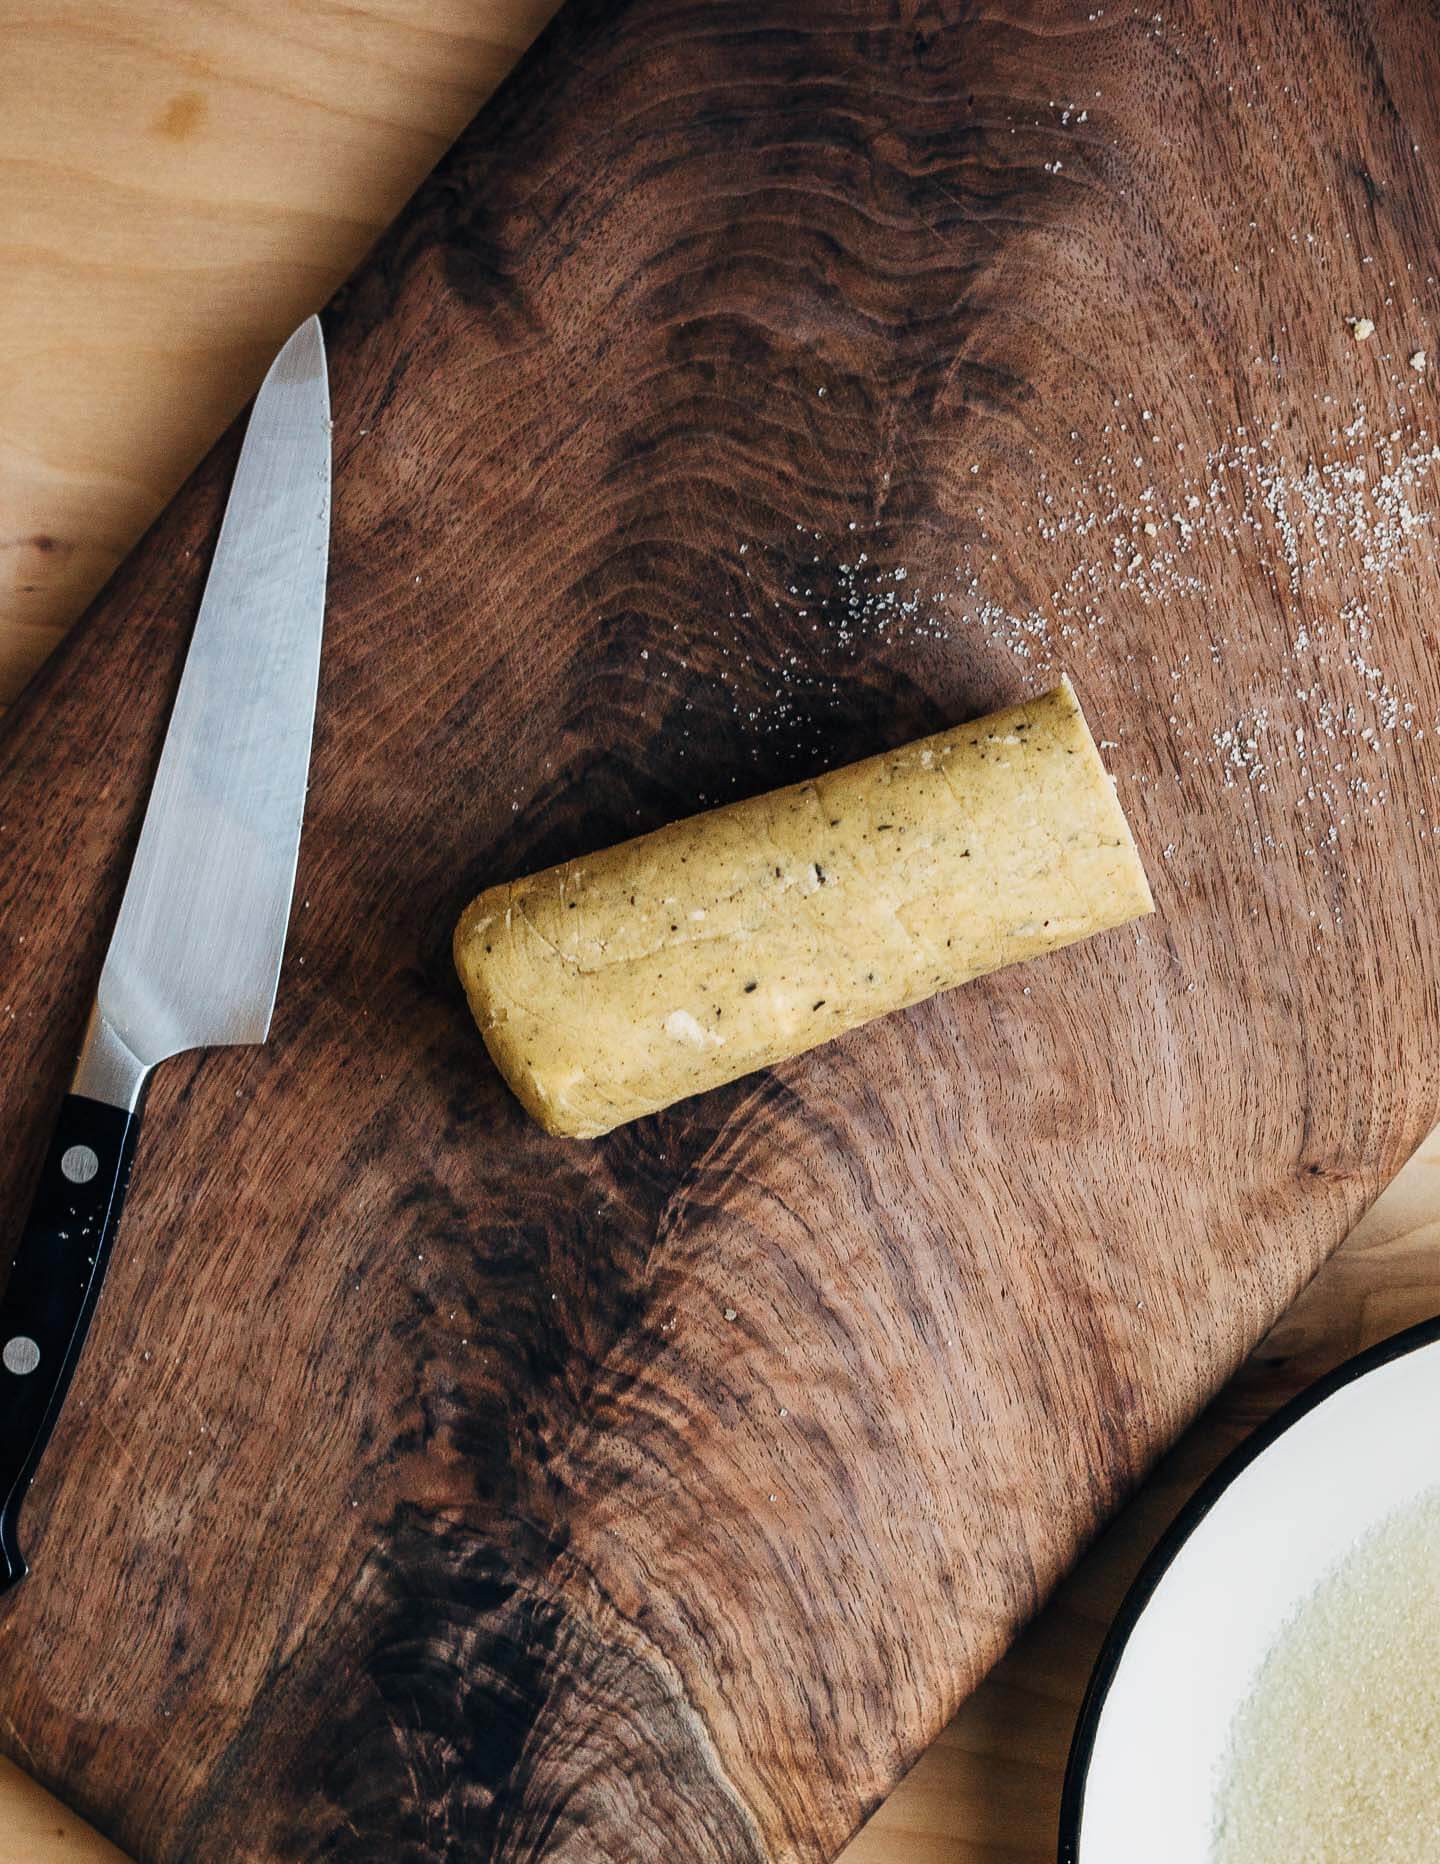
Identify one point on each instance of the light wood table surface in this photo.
(180, 181)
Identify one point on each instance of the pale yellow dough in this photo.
(609, 987)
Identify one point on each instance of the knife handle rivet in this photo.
(79, 1164)
(21, 1355)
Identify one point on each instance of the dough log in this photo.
(609, 987)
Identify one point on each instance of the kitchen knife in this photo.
(195, 957)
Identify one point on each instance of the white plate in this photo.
(1251, 1546)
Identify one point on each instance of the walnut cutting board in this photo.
(416, 1497)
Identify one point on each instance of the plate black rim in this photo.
(1142, 1588)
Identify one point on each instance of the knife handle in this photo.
(54, 1284)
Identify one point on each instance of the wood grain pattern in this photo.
(444, 1457)
(179, 185)
(988, 1787)
(988, 1790)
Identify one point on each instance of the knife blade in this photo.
(194, 960)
